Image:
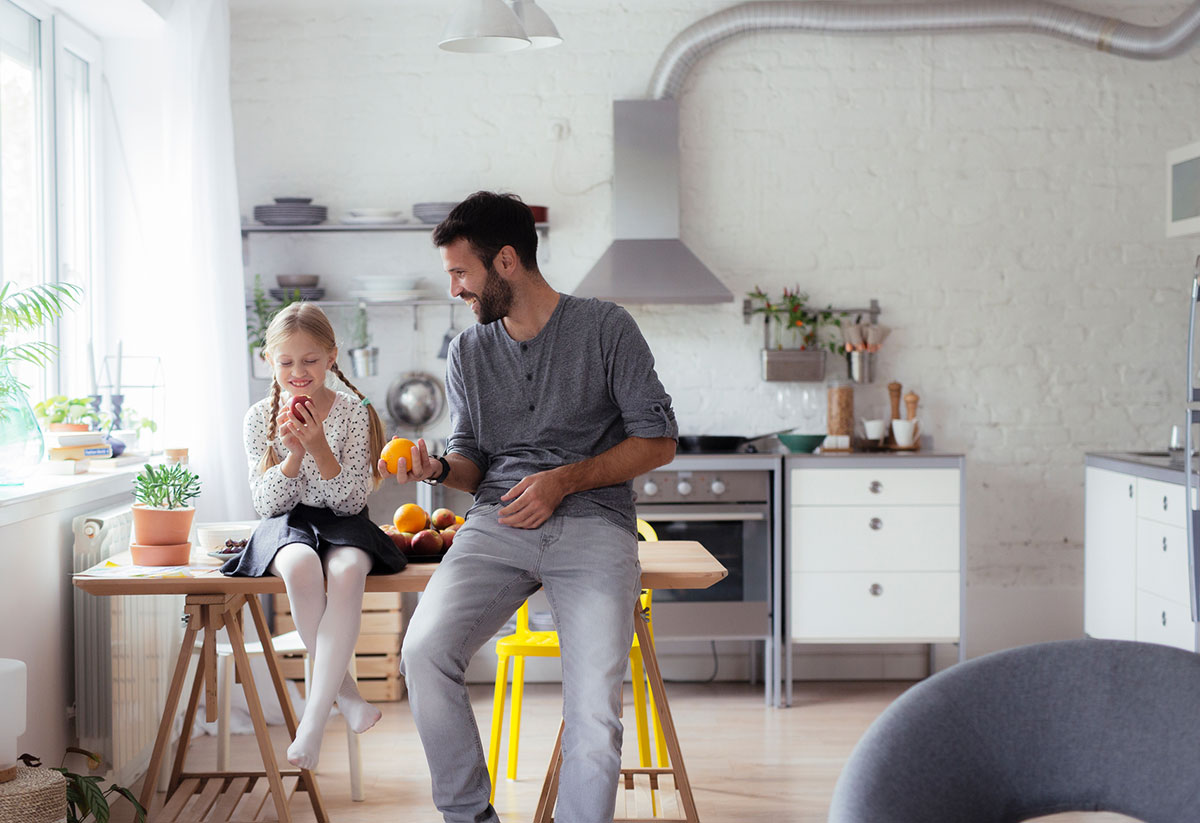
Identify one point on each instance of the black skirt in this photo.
(321, 529)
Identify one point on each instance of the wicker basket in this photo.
(34, 796)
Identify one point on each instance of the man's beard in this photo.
(495, 300)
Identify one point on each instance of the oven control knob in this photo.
(650, 488)
(684, 488)
(717, 487)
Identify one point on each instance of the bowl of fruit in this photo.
(223, 540)
(423, 538)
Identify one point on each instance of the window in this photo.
(48, 161)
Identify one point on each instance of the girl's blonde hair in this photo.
(308, 318)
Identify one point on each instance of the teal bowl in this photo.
(804, 443)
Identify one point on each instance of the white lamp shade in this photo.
(12, 709)
(539, 28)
(484, 27)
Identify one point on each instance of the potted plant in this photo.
(25, 310)
(162, 514)
(62, 413)
(795, 336)
(364, 358)
(87, 799)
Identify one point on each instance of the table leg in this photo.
(658, 689)
(256, 714)
(674, 776)
(308, 783)
(168, 718)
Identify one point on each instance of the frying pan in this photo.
(719, 443)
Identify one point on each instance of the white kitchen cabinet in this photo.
(875, 548)
(1135, 553)
(1110, 560)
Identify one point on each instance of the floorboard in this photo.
(747, 763)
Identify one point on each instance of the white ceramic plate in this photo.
(386, 294)
(367, 220)
(375, 212)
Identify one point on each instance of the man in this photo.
(555, 408)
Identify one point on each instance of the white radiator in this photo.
(125, 650)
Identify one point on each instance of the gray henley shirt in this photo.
(585, 383)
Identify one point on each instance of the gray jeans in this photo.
(589, 568)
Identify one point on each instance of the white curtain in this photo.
(174, 245)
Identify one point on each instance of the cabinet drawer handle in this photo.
(1164, 502)
(1164, 543)
(1164, 618)
(1131, 490)
(876, 590)
(876, 487)
(876, 524)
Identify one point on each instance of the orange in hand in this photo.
(410, 518)
(393, 450)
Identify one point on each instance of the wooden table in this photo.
(214, 601)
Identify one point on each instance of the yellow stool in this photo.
(525, 643)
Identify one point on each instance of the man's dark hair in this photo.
(489, 222)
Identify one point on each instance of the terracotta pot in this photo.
(161, 527)
(177, 554)
(69, 427)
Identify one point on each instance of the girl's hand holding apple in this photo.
(307, 426)
(287, 433)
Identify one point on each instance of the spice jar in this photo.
(840, 415)
(175, 456)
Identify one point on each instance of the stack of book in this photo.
(72, 452)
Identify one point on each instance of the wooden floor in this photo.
(747, 763)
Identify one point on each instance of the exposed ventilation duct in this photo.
(820, 17)
(647, 263)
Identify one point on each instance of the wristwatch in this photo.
(437, 481)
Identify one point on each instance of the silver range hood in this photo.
(647, 262)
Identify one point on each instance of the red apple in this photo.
(402, 540)
(426, 541)
(442, 519)
(448, 537)
(302, 400)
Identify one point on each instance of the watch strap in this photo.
(437, 481)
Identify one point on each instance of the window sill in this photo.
(47, 493)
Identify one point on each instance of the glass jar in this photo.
(840, 414)
(174, 457)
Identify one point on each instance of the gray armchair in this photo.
(1079, 725)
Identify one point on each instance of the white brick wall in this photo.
(1001, 195)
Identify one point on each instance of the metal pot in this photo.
(416, 399)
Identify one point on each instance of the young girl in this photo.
(310, 474)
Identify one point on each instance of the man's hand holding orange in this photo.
(407, 460)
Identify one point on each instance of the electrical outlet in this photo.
(560, 129)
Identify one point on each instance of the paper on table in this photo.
(111, 569)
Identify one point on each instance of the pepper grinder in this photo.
(910, 404)
(894, 395)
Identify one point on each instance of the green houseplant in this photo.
(87, 799)
(162, 514)
(364, 358)
(798, 325)
(61, 409)
(25, 310)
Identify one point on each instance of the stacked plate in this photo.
(291, 211)
(386, 287)
(432, 212)
(374, 217)
(304, 294)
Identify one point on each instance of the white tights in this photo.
(328, 625)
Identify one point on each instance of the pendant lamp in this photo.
(539, 28)
(484, 27)
(492, 27)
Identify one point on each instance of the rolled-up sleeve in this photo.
(271, 491)
(462, 439)
(645, 405)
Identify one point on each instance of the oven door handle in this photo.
(702, 517)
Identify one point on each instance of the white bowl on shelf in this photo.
(386, 282)
(391, 213)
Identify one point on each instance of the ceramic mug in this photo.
(905, 431)
(875, 429)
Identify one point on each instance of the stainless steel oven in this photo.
(725, 502)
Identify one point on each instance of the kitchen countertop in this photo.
(772, 460)
(1151, 465)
